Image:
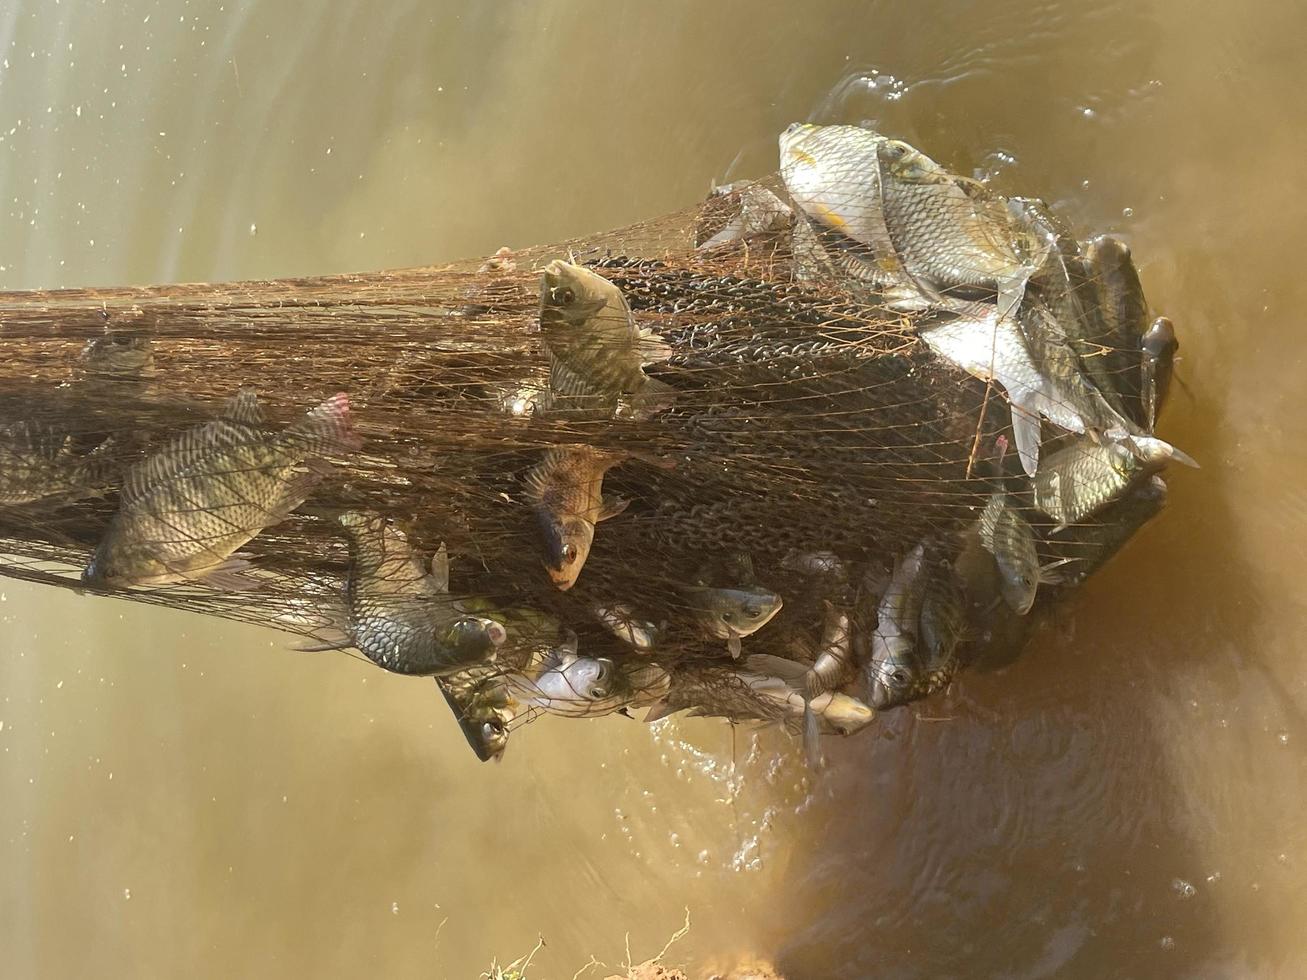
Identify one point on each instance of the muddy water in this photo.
(179, 795)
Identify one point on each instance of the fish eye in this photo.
(598, 693)
(562, 294)
(492, 728)
(900, 675)
(569, 554)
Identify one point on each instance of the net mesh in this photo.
(813, 440)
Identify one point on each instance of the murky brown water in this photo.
(1125, 801)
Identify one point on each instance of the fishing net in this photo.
(813, 439)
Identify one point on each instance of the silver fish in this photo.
(596, 352)
(588, 687)
(834, 661)
(627, 626)
(731, 613)
(37, 463)
(951, 236)
(400, 615)
(565, 490)
(781, 682)
(483, 708)
(749, 209)
(1123, 314)
(1076, 482)
(895, 638)
(1006, 535)
(1160, 346)
(185, 510)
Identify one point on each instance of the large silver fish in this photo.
(834, 662)
(37, 462)
(401, 616)
(732, 613)
(185, 510)
(596, 352)
(1078, 481)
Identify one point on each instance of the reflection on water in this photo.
(1123, 801)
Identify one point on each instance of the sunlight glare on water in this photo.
(1125, 800)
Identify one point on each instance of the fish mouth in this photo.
(562, 580)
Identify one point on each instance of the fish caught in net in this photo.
(795, 455)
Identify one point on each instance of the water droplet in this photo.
(394, 908)
(254, 229)
(127, 894)
(1167, 943)
(1183, 888)
(1127, 212)
(1283, 738)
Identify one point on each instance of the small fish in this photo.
(942, 630)
(834, 660)
(119, 356)
(730, 614)
(1006, 535)
(484, 710)
(37, 463)
(817, 564)
(184, 510)
(1160, 346)
(565, 490)
(400, 615)
(626, 625)
(588, 687)
(749, 209)
(1080, 480)
(781, 682)
(1092, 543)
(596, 352)
(892, 665)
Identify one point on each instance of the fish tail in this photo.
(653, 397)
(329, 427)
(1154, 450)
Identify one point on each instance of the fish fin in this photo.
(612, 506)
(653, 349)
(243, 408)
(229, 576)
(298, 488)
(653, 397)
(566, 383)
(323, 640)
(659, 709)
(734, 229)
(989, 518)
(811, 735)
(328, 428)
(733, 646)
(789, 671)
(1049, 574)
(440, 569)
(1026, 434)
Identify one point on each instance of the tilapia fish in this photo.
(37, 463)
(566, 491)
(185, 510)
(401, 616)
(117, 356)
(596, 352)
(1007, 536)
(732, 613)
(895, 638)
(1076, 482)
(748, 210)
(483, 708)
